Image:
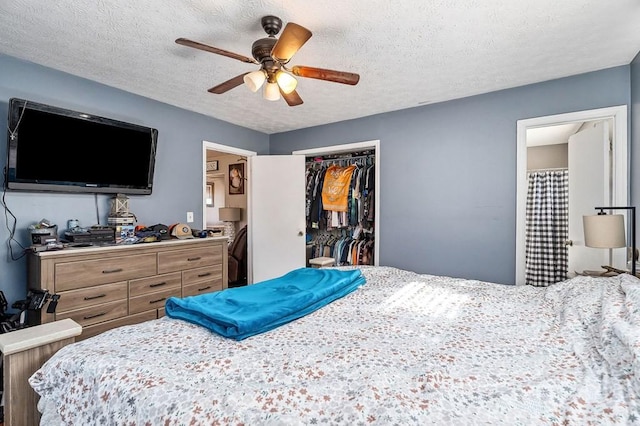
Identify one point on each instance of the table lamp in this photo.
(229, 215)
(607, 231)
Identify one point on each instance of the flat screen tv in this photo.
(56, 149)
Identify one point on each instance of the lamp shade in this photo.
(254, 80)
(229, 214)
(604, 231)
(271, 92)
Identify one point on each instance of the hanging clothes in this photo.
(335, 190)
(340, 209)
(315, 178)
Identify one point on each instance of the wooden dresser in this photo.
(106, 287)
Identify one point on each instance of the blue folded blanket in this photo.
(241, 312)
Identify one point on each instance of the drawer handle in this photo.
(95, 316)
(159, 300)
(158, 284)
(204, 288)
(206, 274)
(95, 297)
(111, 271)
(191, 259)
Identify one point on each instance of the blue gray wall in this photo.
(178, 171)
(448, 171)
(448, 175)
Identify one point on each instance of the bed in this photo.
(404, 348)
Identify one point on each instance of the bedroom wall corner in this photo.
(178, 170)
(634, 135)
(448, 180)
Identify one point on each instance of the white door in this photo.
(588, 188)
(276, 208)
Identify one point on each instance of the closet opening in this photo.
(341, 205)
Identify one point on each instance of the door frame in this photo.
(620, 189)
(358, 146)
(213, 146)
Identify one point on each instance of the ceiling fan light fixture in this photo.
(286, 82)
(271, 92)
(254, 80)
(271, 54)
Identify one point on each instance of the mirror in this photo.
(209, 195)
(596, 174)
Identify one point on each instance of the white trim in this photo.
(620, 165)
(336, 149)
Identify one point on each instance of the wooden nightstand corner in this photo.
(23, 352)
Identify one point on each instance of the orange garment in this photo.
(335, 189)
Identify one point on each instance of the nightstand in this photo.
(599, 273)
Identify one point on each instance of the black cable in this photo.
(97, 209)
(11, 228)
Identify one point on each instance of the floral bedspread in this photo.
(403, 349)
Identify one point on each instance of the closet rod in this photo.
(552, 169)
(328, 160)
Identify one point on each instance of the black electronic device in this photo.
(94, 234)
(3, 303)
(51, 309)
(122, 159)
(36, 299)
(77, 236)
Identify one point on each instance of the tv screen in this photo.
(55, 149)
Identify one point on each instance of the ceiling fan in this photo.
(273, 54)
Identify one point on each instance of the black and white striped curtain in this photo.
(547, 227)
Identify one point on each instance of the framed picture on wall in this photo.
(236, 179)
(212, 166)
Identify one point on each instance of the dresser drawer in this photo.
(87, 273)
(152, 300)
(177, 260)
(93, 330)
(202, 287)
(97, 313)
(85, 297)
(206, 273)
(155, 283)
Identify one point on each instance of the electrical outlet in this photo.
(189, 217)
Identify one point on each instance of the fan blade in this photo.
(228, 85)
(293, 99)
(292, 38)
(206, 48)
(325, 74)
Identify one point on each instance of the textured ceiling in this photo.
(408, 53)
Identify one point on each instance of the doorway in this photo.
(618, 182)
(218, 191)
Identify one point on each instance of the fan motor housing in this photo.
(261, 51)
(271, 24)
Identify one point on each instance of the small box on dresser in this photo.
(106, 287)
